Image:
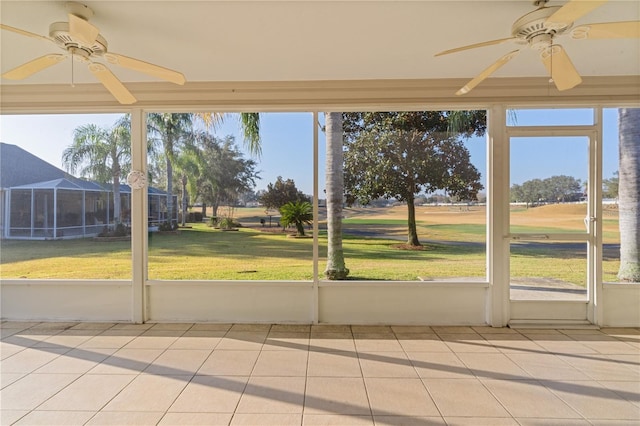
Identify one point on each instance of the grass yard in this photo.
(454, 247)
(74, 259)
(203, 253)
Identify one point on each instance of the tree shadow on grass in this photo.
(20, 250)
(241, 244)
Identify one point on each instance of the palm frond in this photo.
(250, 122)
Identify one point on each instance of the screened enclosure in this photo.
(63, 208)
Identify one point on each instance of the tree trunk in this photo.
(170, 205)
(116, 198)
(629, 194)
(300, 229)
(184, 199)
(336, 269)
(214, 206)
(412, 232)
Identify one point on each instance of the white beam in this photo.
(497, 217)
(139, 243)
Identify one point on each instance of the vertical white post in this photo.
(7, 215)
(55, 213)
(84, 213)
(33, 217)
(594, 257)
(315, 298)
(139, 243)
(108, 208)
(497, 217)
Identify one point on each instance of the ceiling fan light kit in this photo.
(83, 42)
(541, 28)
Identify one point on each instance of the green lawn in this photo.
(376, 222)
(203, 253)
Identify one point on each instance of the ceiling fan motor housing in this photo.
(59, 32)
(531, 26)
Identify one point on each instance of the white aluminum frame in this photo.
(592, 236)
(306, 302)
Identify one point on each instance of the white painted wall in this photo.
(621, 305)
(66, 300)
(552, 310)
(349, 302)
(354, 302)
(249, 301)
(232, 301)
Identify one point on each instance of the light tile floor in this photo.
(243, 374)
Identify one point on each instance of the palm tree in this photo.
(189, 165)
(296, 213)
(336, 269)
(629, 193)
(102, 154)
(249, 123)
(170, 131)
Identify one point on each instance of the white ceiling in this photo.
(310, 40)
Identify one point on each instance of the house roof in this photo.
(77, 184)
(19, 167)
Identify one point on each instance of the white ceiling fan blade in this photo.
(82, 30)
(112, 84)
(573, 10)
(487, 72)
(564, 74)
(474, 46)
(32, 67)
(145, 67)
(604, 30)
(23, 32)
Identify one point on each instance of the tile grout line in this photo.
(250, 373)
(364, 383)
(139, 373)
(63, 388)
(306, 381)
(422, 381)
(557, 355)
(33, 371)
(195, 373)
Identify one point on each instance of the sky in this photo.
(287, 144)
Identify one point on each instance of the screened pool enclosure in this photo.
(64, 209)
(39, 201)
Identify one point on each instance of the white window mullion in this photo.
(139, 226)
(315, 298)
(497, 217)
(595, 260)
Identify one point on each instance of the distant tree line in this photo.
(555, 189)
(610, 187)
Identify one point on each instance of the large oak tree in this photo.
(401, 154)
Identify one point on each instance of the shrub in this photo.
(228, 223)
(194, 217)
(120, 230)
(168, 226)
(296, 213)
(213, 221)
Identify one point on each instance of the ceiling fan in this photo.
(82, 41)
(540, 29)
